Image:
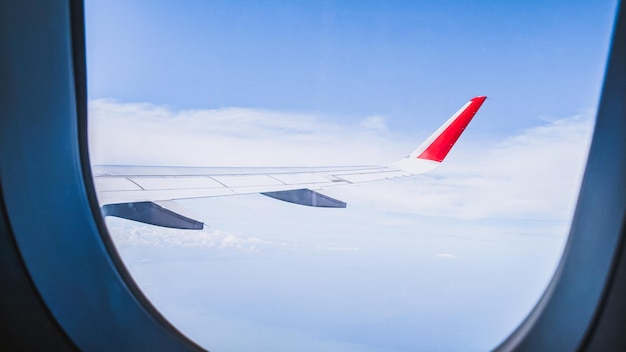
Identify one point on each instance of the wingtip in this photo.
(437, 146)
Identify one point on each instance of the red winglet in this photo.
(440, 147)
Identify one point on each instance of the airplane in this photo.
(64, 287)
(146, 193)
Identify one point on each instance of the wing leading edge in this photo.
(150, 189)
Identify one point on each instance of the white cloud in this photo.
(339, 248)
(129, 233)
(534, 174)
(147, 134)
(374, 123)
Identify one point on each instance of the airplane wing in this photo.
(146, 193)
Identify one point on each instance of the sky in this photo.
(450, 260)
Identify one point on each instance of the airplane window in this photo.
(209, 120)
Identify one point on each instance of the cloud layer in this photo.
(126, 233)
(147, 134)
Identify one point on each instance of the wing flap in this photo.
(175, 182)
(301, 178)
(386, 173)
(233, 181)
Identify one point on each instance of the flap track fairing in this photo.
(306, 197)
(151, 213)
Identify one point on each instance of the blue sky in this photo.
(404, 59)
(452, 260)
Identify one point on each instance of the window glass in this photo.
(452, 259)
